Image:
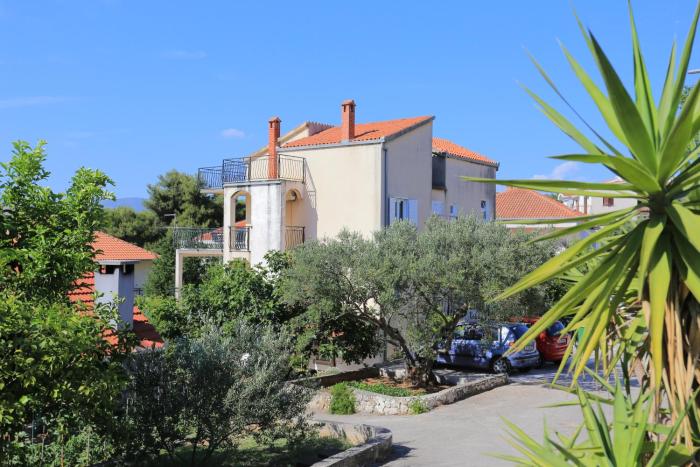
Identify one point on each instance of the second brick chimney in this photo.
(347, 126)
(273, 137)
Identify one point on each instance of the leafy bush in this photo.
(416, 407)
(84, 447)
(342, 399)
(385, 389)
(210, 392)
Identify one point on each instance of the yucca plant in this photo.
(619, 439)
(647, 277)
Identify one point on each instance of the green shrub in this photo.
(210, 392)
(417, 407)
(384, 389)
(342, 399)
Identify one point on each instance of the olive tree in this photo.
(414, 287)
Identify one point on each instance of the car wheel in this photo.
(501, 365)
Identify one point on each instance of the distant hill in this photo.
(134, 203)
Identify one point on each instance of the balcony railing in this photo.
(293, 236)
(250, 169)
(198, 238)
(239, 238)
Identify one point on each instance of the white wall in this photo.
(467, 196)
(141, 271)
(409, 169)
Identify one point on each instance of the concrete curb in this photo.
(376, 444)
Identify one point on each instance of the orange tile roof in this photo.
(112, 248)
(444, 145)
(363, 132)
(84, 290)
(521, 203)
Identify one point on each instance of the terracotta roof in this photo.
(84, 290)
(112, 248)
(520, 203)
(363, 132)
(445, 145)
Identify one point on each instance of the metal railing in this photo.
(198, 238)
(247, 169)
(293, 236)
(239, 238)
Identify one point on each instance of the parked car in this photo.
(484, 348)
(551, 343)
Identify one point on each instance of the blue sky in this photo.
(136, 88)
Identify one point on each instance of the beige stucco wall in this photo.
(409, 168)
(467, 196)
(342, 190)
(141, 271)
(595, 205)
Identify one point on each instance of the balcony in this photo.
(195, 238)
(251, 169)
(293, 236)
(239, 238)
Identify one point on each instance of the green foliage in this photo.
(45, 237)
(140, 227)
(83, 448)
(342, 399)
(636, 303)
(236, 290)
(416, 407)
(414, 287)
(622, 441)
(161, 279)
(56, 369)
(211, 392)
(179, 193)
(381, 388)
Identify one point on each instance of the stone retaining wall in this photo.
(367, 402)
(330, 380)
(373, 444)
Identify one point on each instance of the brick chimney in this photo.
(273, 137)
(347, 127)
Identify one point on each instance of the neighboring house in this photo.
(122, 266)
(516, 204)
(318, 179)
(589, 205)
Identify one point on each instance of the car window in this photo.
(555, 329)
(474, 334)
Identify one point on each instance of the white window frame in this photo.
(403, 209)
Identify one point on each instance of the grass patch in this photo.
(387, 389)
(342, 399)
(417, 407)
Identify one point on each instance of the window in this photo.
(453, 210)
(485, 210)
(609, 202)
(403, 209)
(438, 208)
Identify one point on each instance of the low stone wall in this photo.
(367, 402)
(372, 444)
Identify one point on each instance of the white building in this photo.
(319, 179)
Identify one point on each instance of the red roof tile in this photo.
(363, 132)
(112, 248)
(520, 203)
(444, 145)
(84, 290)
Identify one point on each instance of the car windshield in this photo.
(555, 329)
(519, 330)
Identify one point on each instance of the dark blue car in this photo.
(484, 348)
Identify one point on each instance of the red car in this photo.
(551, 344)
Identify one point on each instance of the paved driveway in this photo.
(462, 434)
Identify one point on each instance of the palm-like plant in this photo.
(659, 257)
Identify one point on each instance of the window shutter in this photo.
(413, 211)
(392, 210)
